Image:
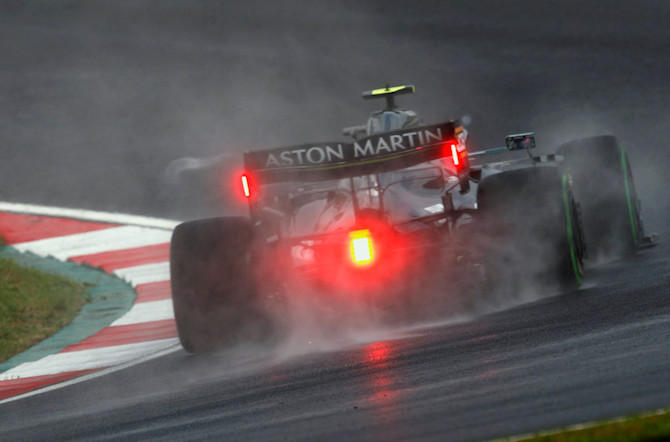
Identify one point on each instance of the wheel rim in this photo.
(629, 199)
(574, 259)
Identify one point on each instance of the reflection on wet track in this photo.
(100, 99)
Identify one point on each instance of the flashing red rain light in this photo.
(361, 247)
(458, 155)
(245, 186)
(454, 155)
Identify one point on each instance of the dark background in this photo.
(99, 98)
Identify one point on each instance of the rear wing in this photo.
(377, 153)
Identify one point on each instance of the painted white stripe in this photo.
(86, 359)
(147, 312)
(145, 273)
(89, 215)
(114, 238)
(138, 232)
(96, 374)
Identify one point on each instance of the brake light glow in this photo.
(458, 154)
(245, 186)
(454, 154)
(361, 247)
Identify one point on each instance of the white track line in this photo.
(138, 232)
(86, 359)
(171, 349)
(145, 273)
(143, 312)
(89, 243)
(89, 215)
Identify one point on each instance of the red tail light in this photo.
(246, 186)
(361, 247)
(459, 155)
(454, 155)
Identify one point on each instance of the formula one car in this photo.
(400, 205)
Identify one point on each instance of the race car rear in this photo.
(359, 216)
(363, 218)
(379, 218)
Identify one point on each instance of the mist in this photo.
(145, 107)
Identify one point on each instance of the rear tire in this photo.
(213, 286)
(533, 226)
(605, 187)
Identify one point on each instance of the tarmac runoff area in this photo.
(124, 259)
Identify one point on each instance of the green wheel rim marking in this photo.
(568, 217)
(631, 215)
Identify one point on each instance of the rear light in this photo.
(246, 187)
(454, 155)
(458, 154)
(361, 247)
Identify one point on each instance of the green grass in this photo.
(643, 427)
(33, 306)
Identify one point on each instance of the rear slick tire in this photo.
(213, 286)
(533, 225)
(605, 188)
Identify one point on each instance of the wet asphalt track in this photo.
(98, 100)
(582, 356)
